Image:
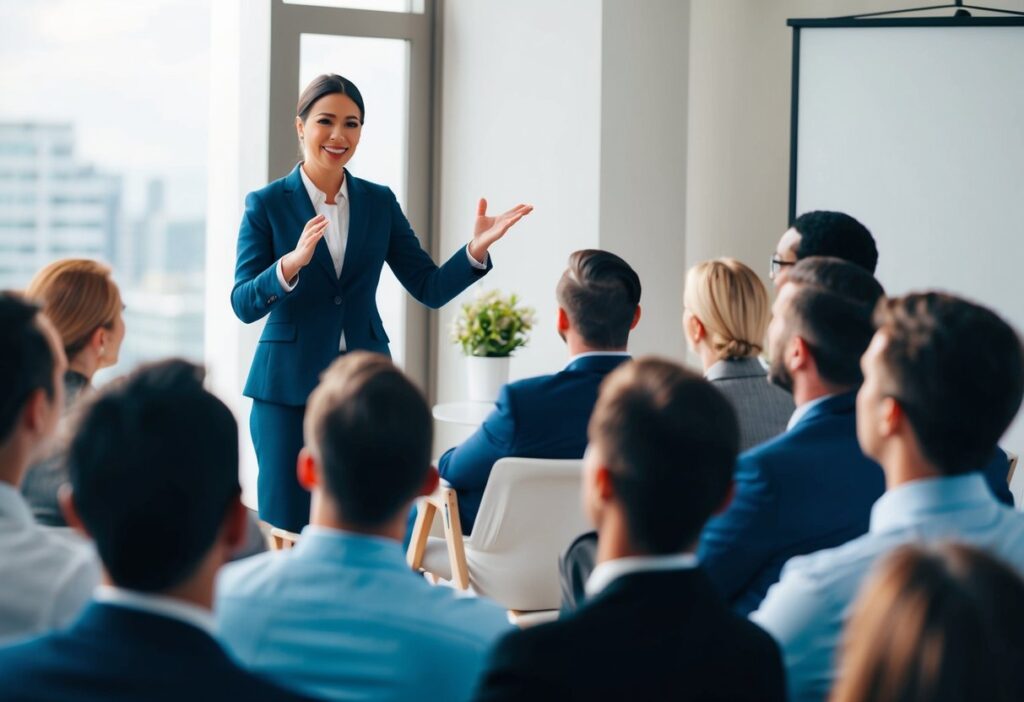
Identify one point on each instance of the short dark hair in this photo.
(154, 470)
(957, 369)
(669, 440)
(371, 430)
(26, 359)
(837, 330)
(329, 84)
(825, 233)
(838, 276)
(600, 293)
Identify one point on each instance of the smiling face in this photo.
(331, 133)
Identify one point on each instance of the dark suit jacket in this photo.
(647, 636)
(301, 336)
(542, 417)
(809, 489)
(115, 654)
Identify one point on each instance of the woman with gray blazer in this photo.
(725, 318)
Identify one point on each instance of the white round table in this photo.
(454, 422)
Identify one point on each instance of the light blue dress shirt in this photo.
(342, 617)
(805, 611)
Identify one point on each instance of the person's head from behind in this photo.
(815, 341)
(368, 433)
(942, 624)
(84, 304)
(725, 310)
(154, 479)
(32, 365)
(824, 233)
(943, 379)
(662, 446)
(598, 301)
(837, 276)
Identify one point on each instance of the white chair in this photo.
(529, 513)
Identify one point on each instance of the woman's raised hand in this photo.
(489, 229)
(299, 258)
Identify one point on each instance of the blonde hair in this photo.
(79, 297)
(732, 303)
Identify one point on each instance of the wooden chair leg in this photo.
(453, 537)
(420, 533)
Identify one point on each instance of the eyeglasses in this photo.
(776, 265)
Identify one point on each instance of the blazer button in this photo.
(272, 299)
(337, 299)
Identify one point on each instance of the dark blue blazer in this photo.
(808, 489)
(114, 654)
(542, 417)
(302, 334)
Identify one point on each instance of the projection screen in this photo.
(917, 129)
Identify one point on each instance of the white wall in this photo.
(644, 84)
(521, 123)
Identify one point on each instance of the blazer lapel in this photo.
(303, 208)
(358, 219)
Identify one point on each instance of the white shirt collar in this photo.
(317, 196)
(588, 354)
(801, 411)
(13, 507)
(169, 607)
(608, 571)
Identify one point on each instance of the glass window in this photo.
(380, 68)
(103, 126)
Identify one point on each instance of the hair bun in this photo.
(737, 348)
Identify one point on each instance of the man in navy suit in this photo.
(546, 417)
(663, 442)
(154, 476)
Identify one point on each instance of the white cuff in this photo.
(476, 264)
(284, 283)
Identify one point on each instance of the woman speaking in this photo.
(310, 251)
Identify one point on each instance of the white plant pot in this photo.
(486, 376)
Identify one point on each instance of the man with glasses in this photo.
(823, 233)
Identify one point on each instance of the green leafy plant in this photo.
(492, 325)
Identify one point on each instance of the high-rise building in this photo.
(51, 205)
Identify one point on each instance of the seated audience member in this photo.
(46, 577)
(943, 625)
(340, 615)
(726, 313)
(84, 304)
(834, 274)
(546, 417)
(662, 446)
(812, 487)
(824, 233)
(154, 480)
(943, 379)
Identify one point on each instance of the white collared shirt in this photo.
(47, 574)
(608, 571)
(336, 233)
(801, 411)
(588, 354)
(162, 606)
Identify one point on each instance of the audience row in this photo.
(835, 523)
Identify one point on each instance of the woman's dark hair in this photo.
(329, 84)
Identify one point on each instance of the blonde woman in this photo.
(84, 304)
(935, 625)
(725, 318)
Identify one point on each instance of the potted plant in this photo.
(489, 329)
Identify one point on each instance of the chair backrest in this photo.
(529, 514)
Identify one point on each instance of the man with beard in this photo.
(811, 487)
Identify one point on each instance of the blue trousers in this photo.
(277, 436)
